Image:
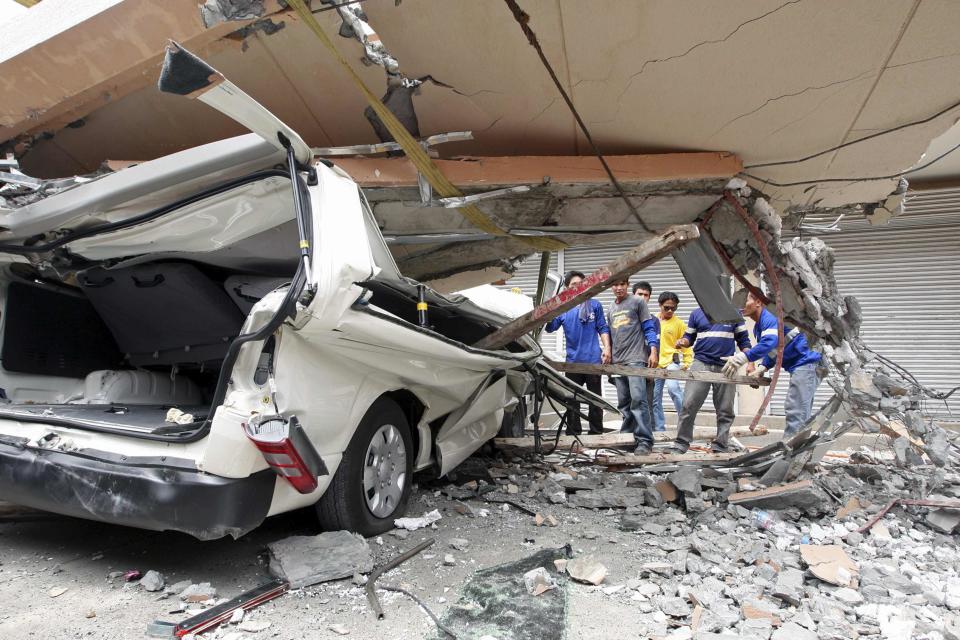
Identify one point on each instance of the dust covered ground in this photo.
(672, 570)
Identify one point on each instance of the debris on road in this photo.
(306, 560)
(152, 581)
(538, 581)
(586, 569)
(412, 524)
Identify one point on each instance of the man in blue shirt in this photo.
(712, 344)
(584, 328)
(800, 361)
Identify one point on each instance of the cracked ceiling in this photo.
(765, 80)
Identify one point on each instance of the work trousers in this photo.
(798, 407)
(633, 405)
(694, 394)
(675, 389)
(595, 415)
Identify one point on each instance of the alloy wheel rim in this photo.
(384, 471)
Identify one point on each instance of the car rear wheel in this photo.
(372, 484)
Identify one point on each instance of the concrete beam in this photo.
(511, 170)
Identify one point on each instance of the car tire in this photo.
(514, 424)
(372, 484)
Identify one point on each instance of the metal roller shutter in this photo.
(905, 275)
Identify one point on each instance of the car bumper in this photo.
(148, 493)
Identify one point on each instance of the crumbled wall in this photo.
(872, 392)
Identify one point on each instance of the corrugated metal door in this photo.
(905, 275)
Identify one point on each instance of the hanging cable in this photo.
(523, 19)
(862, 179)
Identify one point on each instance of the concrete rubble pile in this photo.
(726, 557)
(874, 394)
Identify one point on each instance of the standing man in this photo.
(635, 344)
(644, 290)
(713, 344)
(584, 329)
(800, 361)
(672, 329)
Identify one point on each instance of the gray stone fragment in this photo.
(847, 596)
(854, 538)
(679, 560)
(793, 631)
(653, 528)
(652, 497)
(152, 581)
(756, 628)
(687, 480)
(198, 593)
(943, 520)
(675, 607)
(905, 455)
(632, 523)
(307, 560)
(937, 446)
(178, 587)
(789, 587)
(609, 497)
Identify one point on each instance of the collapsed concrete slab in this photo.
(307, 560)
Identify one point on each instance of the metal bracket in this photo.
(384, 147)
(462, 201)
(14, 176)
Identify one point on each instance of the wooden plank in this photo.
(597, 282)
(664, 458)
(646, 372)
(617, 439)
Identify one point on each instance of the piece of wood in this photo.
(616, 439)
(647, 372)
(630, 460)
(597, 282)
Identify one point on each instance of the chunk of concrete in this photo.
(793, 631)
(608, 497)
(586, 569)
(789, 587)
(803, 495)
(152, 581)
(687, 480)
(943, 520)
(830, 563)
(332, 555)
(538, 581)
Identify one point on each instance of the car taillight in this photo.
(287, 450)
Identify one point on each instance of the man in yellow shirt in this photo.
(672, 329)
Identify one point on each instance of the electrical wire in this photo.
(523, 19)
(860, 179)
(857, 141)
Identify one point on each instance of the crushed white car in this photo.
(201, 341)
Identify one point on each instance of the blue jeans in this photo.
(798, 406)
(675, 389)
(632, 403)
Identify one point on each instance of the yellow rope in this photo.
(412, 148)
